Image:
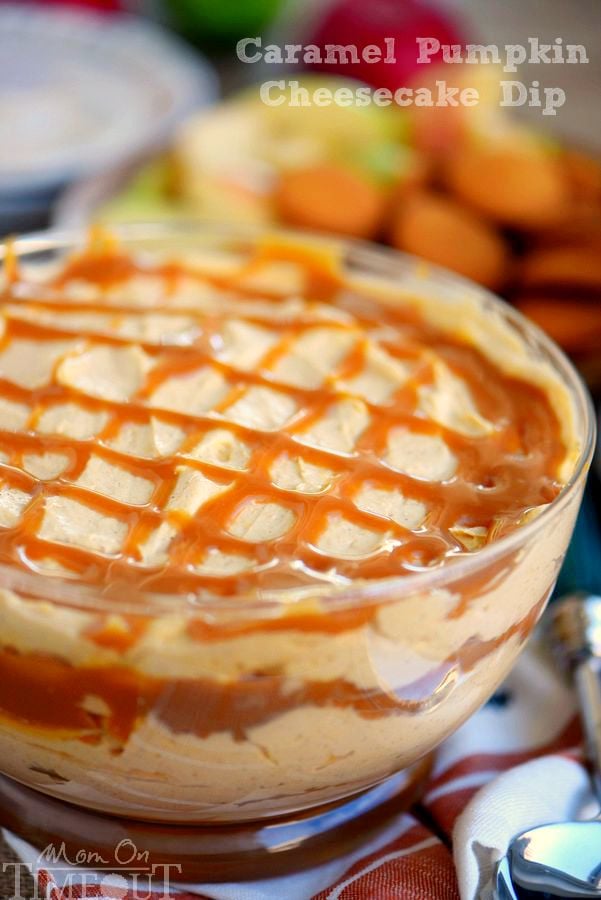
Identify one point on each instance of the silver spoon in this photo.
(564, 859)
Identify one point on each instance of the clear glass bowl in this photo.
(264, 710)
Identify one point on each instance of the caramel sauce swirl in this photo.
(117, 364)
(51, 694)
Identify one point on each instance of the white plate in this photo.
(81, 93)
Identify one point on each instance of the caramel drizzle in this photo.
(498, 478)
(48, 695)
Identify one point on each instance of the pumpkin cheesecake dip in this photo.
(276, 515)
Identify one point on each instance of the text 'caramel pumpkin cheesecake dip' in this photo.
(270, 526)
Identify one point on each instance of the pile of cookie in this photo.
(471, 190)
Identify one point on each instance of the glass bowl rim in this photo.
(366, 592)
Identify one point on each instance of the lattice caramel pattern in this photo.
(169, 428)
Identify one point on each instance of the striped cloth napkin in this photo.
(513, 765)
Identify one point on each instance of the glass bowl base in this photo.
(69, 836)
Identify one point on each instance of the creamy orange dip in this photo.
(228, 426)
(164, 424)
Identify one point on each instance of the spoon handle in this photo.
(587, 680)
(576, 638)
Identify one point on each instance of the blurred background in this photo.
(119, 110)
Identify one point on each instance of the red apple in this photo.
(365, 22)
(95, 5)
